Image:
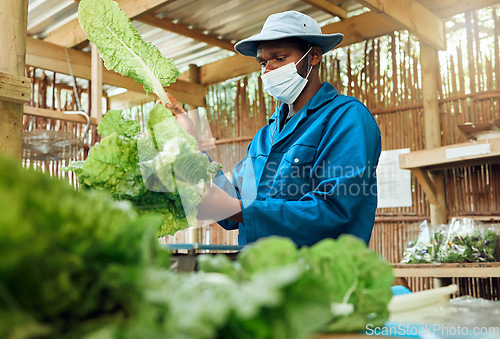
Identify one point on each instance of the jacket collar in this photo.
(324, 95)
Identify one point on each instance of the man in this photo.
(309, 174)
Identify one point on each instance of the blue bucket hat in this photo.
(289, 24)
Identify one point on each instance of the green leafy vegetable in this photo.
(354, 275)
(423, 249)
(354, 282)
(478, 246)
(128, 165)
(67, 256)
(269, 253)
(163, 173)
(114, 122)
(123, 49)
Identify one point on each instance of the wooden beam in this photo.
(129, 99)
(14, 88)
(227, 68)
(432, 117)
(448, 8)
(432, 121)
(328, 7)
(416, 18)
(427, 184)
(14, 17)
(52, 114)
(184, 30)
(71, 34)
(362, 27)
(41, 54)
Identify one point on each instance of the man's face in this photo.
(277, 53)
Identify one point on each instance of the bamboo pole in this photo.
(13, 17)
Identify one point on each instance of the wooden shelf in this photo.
(53, 114)
(421, 163)
(466, 270)
(435, 158)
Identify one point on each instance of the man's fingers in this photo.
(172, 99)
(175, 109)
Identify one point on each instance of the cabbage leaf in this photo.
(123, 49)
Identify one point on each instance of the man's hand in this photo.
(181, 116)
(217, 205)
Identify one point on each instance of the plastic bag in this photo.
(422, 250)
(460, 241)
(467, 240)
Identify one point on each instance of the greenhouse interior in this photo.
(305, 169)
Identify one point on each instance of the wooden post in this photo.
(432, 123)
(96, 88)
(194, 77)
(14, 16)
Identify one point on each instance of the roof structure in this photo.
(199, 34)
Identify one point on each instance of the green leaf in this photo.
(178, 148)
(267, 253)
(114, 122)
(123, 49)
(219, 263)
(164, 127)
(356, 275)
(112, 165)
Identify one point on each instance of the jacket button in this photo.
(296, 160)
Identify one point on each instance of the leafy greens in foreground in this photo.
(67, 256)
(354, 282)
(81, 265)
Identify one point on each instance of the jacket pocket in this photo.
(292, 179)
(300, 155)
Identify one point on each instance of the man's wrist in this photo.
(236, 210)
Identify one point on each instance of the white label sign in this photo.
(467, 151)
(394, 183)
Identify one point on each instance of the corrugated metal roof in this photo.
(44, 16)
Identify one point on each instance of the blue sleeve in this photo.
(231, 188)
(343, 199)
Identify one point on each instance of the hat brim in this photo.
(248, 47)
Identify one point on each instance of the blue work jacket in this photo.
(315, 178)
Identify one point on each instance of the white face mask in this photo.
(284, 83)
